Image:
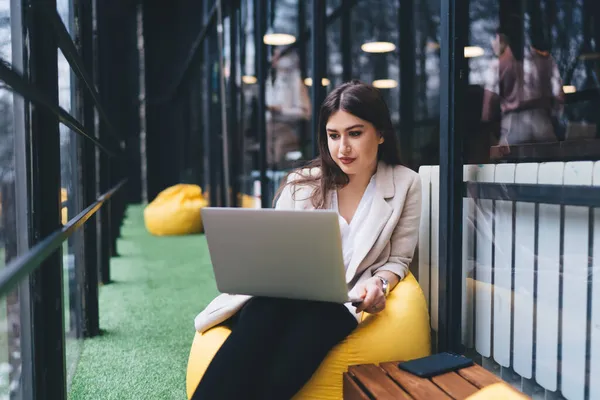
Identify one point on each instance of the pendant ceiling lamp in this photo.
(378, 47)
(278, 39)
(324, 82)
(249, 79)
(469, 51)
(385, 83)
(473, 51)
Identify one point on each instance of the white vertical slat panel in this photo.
(595, 301)
(435, 221)
(425, 231)
(483, 268)
(524, 276)
(468, 263)
(546, 340)
(574, 294)
(503, 237)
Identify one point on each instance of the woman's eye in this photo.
(355, 133)
(334, 136)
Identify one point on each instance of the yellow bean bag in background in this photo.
(176, 211)
(498, 391)
(246, 201)
(64, 212)
(400, 332)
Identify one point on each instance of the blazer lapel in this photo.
(377, 217)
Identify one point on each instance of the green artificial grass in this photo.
(147, 317)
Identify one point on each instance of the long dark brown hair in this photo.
(365, 102)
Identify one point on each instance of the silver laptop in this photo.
(277, 253)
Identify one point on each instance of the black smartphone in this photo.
(435, 364)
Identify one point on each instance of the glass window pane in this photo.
(531, 147)
(10, 317)
(71, 202)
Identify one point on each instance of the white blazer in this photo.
(386, 242)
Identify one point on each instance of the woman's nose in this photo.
(345, 146)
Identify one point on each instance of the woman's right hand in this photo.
(371, 292)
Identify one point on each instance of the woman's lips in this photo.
(347, 160)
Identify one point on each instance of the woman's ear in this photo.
(381, 138)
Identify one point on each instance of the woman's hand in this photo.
(371, 291)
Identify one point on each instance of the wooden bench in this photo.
(387, 381)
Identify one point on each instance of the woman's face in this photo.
(353, 143)
(498, 45)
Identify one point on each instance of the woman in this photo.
(276, 344)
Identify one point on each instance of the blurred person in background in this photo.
(530, 91)
(288, 105)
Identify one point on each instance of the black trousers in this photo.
(274, 348)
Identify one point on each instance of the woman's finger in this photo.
(377, 307)
(369, 299)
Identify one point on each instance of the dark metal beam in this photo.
(36, 258)
(346, 39)
(104, 57)
(36, 95)
(46, 282)
(234, 90)
(453, 82)
(260, 28)
(564, 195)
(91, 314)
(407, 57)
(318, 49)
(69, 50)
(192, 57)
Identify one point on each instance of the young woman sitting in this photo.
(276, 345)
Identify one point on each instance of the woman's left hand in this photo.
(373, 297)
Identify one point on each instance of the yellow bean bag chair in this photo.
(176, 211)
(400, 332)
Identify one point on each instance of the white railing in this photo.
(531, 283)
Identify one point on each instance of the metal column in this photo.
(104, 229)
(234, 135)
(452, 88)
(46, 283)
(318, 60)
(22, 206)
(91, 324)
(260, 25)
(407, 57)
(346, 39)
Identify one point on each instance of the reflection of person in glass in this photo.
(287, 105)
(530, 91)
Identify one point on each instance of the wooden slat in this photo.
(479, 376)
(575, 286)
(503, 268)
(425, 231)
(351, 389)
(468, 263)
(483, 267)
(434, 274)
(595, 301)
(524, 270)
(418, 388)
(455, 385)
(375, 380)
(548, 282)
